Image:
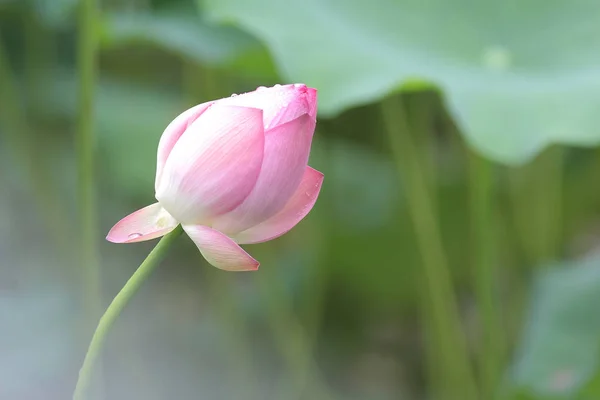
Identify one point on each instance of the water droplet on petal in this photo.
(277, 86)
(233, 94)
(134, 235)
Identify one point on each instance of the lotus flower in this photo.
(233, 171)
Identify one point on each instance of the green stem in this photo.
(550, 175)
(421, 109)
(455, 369)
(116, 307)
(87, 50)
(483, 240)
(87, 66)
(536, 192)
(18, 137)
(420, 114)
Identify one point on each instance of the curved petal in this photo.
(220, 250)
(147, 223)
(280, 104)
(172, 134)
(311, 97)
(294, 211)
(214, 165)
(287, 148)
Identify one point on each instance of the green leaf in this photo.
(518, 76)
(560, 345)
(186, 35)
(255, 65)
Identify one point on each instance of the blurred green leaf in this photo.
(560, 346)
(129, 120)
(258, 65)
(365, 199)
(186, 35)
(517, 76)
(54, 13)
(361, 213)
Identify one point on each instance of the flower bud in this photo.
(233, 171)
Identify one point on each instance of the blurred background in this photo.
(453, 251)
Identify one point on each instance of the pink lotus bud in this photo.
(233, 171)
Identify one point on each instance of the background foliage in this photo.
(452, 253)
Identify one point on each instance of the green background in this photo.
(453, 251)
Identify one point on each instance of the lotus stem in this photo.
(116, 307)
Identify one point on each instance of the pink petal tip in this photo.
(147, 223)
